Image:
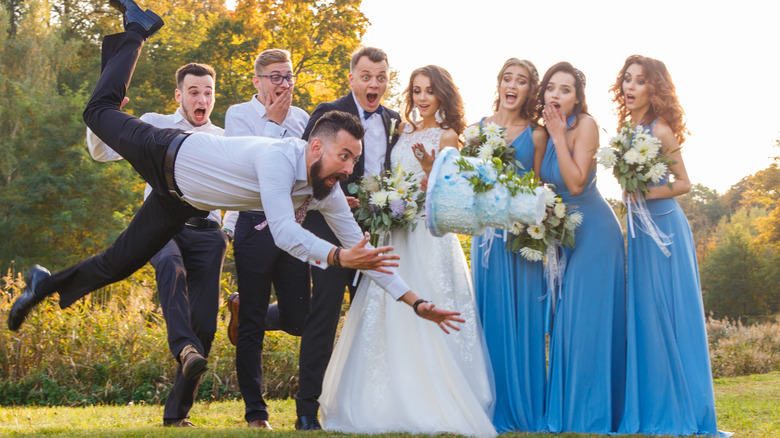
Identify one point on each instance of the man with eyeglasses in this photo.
(259, 262)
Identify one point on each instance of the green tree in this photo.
(730, 273)
(57, 204)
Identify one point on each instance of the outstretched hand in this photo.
(444, 318)
(365, 258)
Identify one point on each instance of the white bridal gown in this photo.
(392, 371)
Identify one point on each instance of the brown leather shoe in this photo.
(184, 422)
(193, 364)
(232, 303)
(261, 424)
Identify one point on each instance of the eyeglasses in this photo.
(277, 79)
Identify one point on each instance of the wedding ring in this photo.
(419, 154)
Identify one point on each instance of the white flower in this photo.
(619, 140)
(517, 228)
(560, 210)
(536, 231)
(573, 221)
(379, 198)
(471, 134)
(530, 254)
(393, 195)
(657, 172)
(549, 197)
(632, 156)
(648, 149)
(410, 212)
(485, 152)
(606, 157)
(492, 129)
(370, 184)
(496, 141)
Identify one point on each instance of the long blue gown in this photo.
(668, 377)
(587, 345)
(508, 290)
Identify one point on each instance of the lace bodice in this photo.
(402, 151)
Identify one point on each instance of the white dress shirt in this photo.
(374, 141)
(257, 173)
(250, 119)
(102, 152)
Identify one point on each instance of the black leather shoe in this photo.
(307, 422)
(29, 298)
(148, 20)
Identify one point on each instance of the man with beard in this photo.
(189, 266)
(259, 262)
(193, 173)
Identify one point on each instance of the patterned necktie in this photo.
(300, 214)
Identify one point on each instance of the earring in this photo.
(415, 115)
(439, 115)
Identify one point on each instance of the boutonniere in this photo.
(393, 122)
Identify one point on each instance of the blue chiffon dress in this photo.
(587, 345)
(508, 289)
(668, 377)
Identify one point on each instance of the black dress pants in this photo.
(259, 264)
(188, 272)
(161, 216)
(319, 330)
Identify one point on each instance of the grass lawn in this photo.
(748, 406)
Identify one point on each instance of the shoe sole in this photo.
(198, 367)
(233, 323)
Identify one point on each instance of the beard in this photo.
(320, 189)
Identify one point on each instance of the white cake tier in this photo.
(451, 206)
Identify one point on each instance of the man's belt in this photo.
(168, 164)
(199, 222)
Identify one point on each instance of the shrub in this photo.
(112, 348)
(737, 349)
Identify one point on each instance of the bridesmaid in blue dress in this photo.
(587, 344)
(668, 378)
(508, 287)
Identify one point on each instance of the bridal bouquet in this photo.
(536, 241)
(636, 161)
(388, 201)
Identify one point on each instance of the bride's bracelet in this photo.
(417, 304)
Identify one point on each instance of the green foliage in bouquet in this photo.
(557, 227)
(635, 159)
(388, 201)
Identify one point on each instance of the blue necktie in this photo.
(367, 114)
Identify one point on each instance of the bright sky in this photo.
(722, 57)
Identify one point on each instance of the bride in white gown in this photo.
(390, 370)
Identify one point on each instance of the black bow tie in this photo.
(367, 114)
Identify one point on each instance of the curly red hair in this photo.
(664, 103)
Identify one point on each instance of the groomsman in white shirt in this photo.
(188, 268)
(259, 262)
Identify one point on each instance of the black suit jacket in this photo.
(347, 104)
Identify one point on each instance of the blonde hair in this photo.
(271, 56)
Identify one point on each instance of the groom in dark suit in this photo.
(368, 78)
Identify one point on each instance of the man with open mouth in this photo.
(192, 173)
(189, 266)
(259, 262)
